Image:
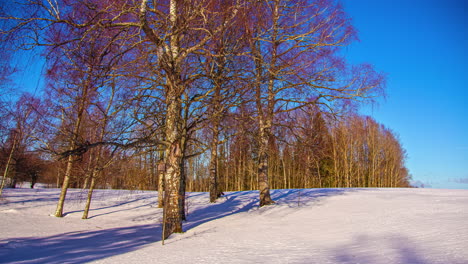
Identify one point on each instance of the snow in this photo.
(305, 226)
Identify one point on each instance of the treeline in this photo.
(193, 95)
(312, 151)
(315, 152)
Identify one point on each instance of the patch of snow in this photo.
(9, 211)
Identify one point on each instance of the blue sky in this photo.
(422, 46)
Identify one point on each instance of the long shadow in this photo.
(238, 202)
(233, 203)
(28, 197)
(116, 205)
(78, 247)
(301, 197)
(195, 194)
(74, 195)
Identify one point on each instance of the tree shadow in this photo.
(78, 247)
(85, 246)
(238, 202)
(28, 195)
(116, 205)
(301, 197)
(393, 248)
(230, 204)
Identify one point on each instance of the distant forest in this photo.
(182, 95)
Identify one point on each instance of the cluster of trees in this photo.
(313, 150)
(16, 133)
(211, 95)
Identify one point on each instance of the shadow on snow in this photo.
(396, 249)
(244, 201)
(79, 247)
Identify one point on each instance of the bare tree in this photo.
(9, 161)
(295, 63)
(177, 32)
(105, 113)
(223, 69)
(25, 119)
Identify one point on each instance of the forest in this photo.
(191, 96)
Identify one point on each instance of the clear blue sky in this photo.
(422, 46)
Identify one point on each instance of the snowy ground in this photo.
(305, 226)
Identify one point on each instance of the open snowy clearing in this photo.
(305, 226)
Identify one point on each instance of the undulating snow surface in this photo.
(305, 226)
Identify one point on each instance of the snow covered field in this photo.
(305, 226)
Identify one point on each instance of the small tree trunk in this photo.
(5, 173)
(90, 196)
(285, 185)
(63, 193)
(161, 189)
(86, 181)
(214, 190)
(182, 188)
(57, 183)
(318, 174)
(34, 177)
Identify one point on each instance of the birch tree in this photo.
(177, 30)
(223, 69)
(295, 63)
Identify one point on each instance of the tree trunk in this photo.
(89, 169)
(66, 182)
(263, 185)
(183, 182)
(173, 176)
(172, 185)
(284, 173)
(265, 74)
(82, 100)
(86, 181)
(58, 179)
(90, 195)
(5, 173)
(214, 190)
(161, 189)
